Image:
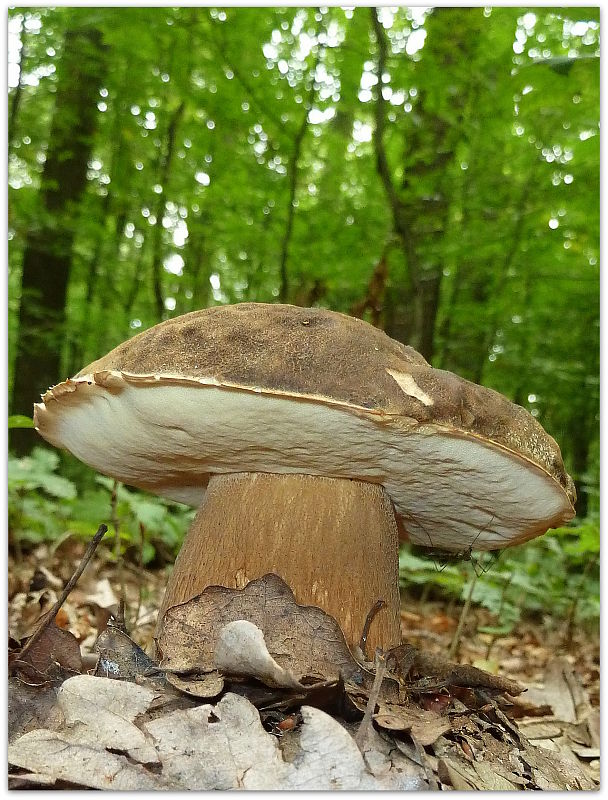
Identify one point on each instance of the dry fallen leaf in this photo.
(204, 685)
(98, 718)
(55, 756)
(121, 657)
(241, 651)
(30, 707)
(555, 691)
(551, 770)
(455, 774)
(490, 779)
(100, 711)
(54, 646)
(425, 726)
(540, 730)
(24, 780)
(26, 609)
(201, 748)
(231, 750)
(303, 640)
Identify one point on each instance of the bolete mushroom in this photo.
(310, 441)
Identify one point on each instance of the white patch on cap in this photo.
(408, 385)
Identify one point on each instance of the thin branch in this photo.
(400, 224)
(292, 170)
(52, 613)
(165, 166)
(116, 525)
(454, 644)
(142, 542)
(371, 616)
(516, 238)
(366, 723)
(18, 90)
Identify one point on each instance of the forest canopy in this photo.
(434, 171)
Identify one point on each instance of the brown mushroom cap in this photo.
(282, 389)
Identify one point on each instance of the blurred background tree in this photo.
(434, 171)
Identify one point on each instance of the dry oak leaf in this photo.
(204, 685)
(202, 748)
(55, 645)
(303, 640)
(56, 757)
(225, 747)
(241, 651)
(30, 707)
(100, 711)
(98, 716)
(425, 726)
(121, 657)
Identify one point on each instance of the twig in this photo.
(117, 620)
(366, 722)
(371, 616)
(463, 617)
(114, 519)
(52, 613)
(498, 614)
(569, 634)
(117, 553)
(142, 541)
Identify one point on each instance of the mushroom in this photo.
(310, 441)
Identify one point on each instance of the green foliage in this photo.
(162, 523)
(38, 472)
(546, 576)
(43, 506)
(19, 421)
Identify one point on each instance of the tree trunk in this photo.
(47, 258)
(292, 171)
(420, 205)
(159, 211)
(17, 93)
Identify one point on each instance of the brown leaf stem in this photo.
(366, 722)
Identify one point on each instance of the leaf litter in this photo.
(281, 679)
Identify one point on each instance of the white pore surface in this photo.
(452, 492)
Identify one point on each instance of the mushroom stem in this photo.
(333, 541)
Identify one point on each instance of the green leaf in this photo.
(20, 421)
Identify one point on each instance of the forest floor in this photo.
(529, 654)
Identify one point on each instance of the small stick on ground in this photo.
(142, 542)
(455, 643)
(52, 612)
(117, 553)
(371, 615)
(366, 722)
(117, 620)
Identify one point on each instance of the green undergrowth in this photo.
(555, 576)
(46, 507)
